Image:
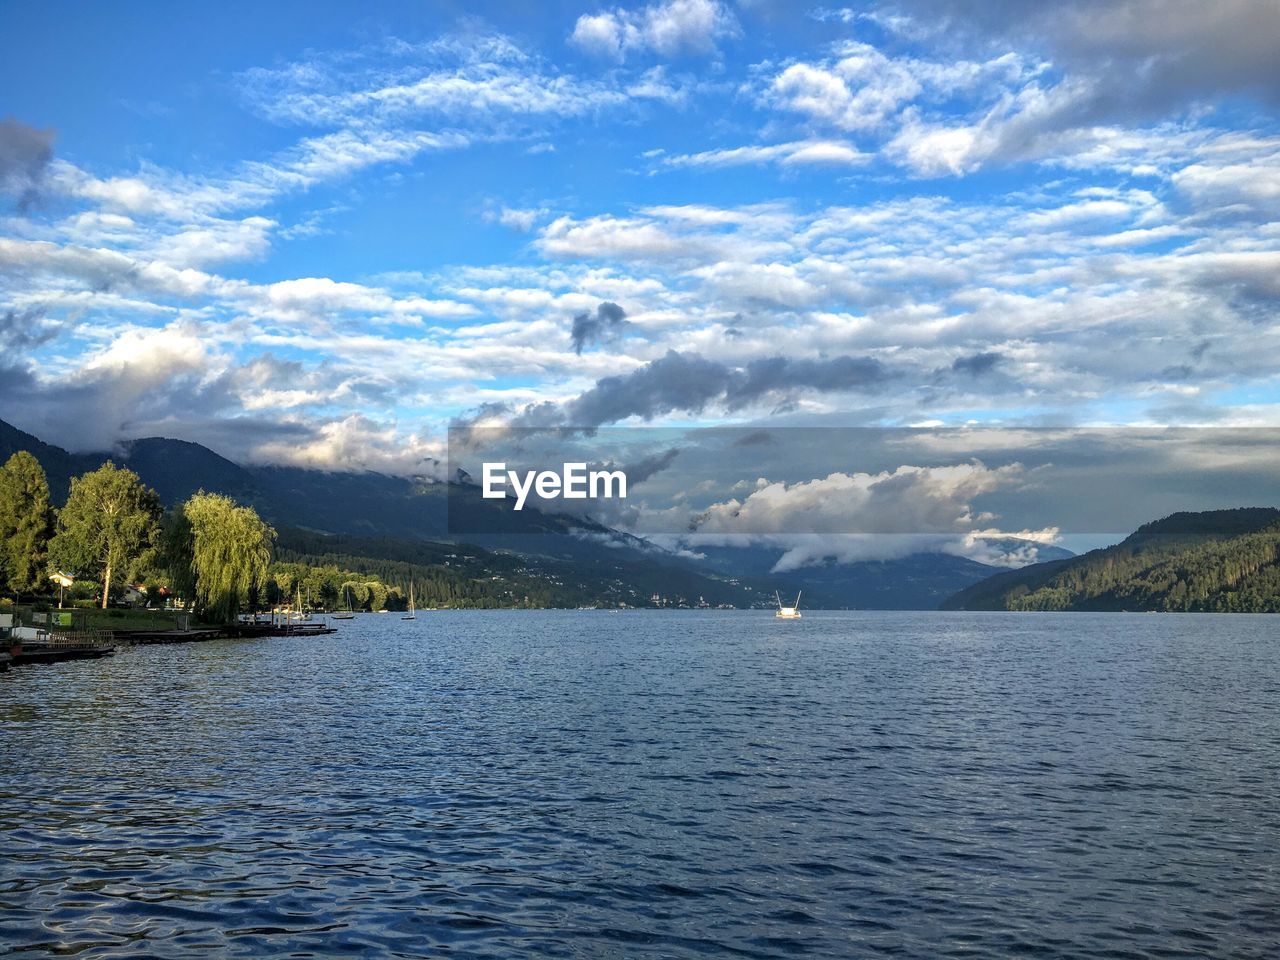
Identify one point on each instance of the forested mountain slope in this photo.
(1220, 560)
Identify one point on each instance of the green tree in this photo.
(285, 578)
(26, 521)
(175, 554)
(226, 550)
(108, 527)
(356, 593)
(321, 586)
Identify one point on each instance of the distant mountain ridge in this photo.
(390, 518)
(919, 581)
(363, 503)
(59, 465)
(1216, 560)
(375, 522)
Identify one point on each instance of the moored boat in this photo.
(787, 613)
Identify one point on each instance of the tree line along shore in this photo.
(113, 538)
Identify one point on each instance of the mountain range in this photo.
(373, 520)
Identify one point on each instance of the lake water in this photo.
(683, 784)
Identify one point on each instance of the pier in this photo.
(48, 638)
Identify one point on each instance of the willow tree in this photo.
(175, 554)
(226, 549)
(108, 527)
(26, 521)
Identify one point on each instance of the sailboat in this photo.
(347, 613)
(412, 614)
(299, 613)
(787, 613)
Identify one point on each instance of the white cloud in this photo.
(602, 34)
(862, 89)
(668, 29)
(794, 154)
(523, 219)
(855, 517)
(1250, 189)
(939, 117)
(214, 241)
(321, 298)
(472, 81)
(907, 500)
(842, 100)
(1080, 213)
(1033, 123)
(622, 238)
(1136, 267)
(358, 443)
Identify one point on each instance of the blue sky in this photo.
(301, 234)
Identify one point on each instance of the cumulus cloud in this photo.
(862, 88)
(140, 373)
(858, 92)
(856, 517)
(907, 500)
(357, 443)
(666, 29)
(173, 382)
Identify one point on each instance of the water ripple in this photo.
(576, 785)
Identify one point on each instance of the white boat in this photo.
(412, 614)
(787, 613)
(300, 613)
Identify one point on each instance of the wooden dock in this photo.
(148, 637)
(39, 653)
(295, 628)
(57, 646)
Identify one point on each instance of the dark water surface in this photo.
(586, 784)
